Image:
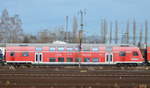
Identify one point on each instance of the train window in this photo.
(52, 49)
(95, 49)
(86, 49)
(135, 53)
(86, 59)
(52, 59)
(25, 54)
(60, 49)
(122, 53)
(76, 49)
(95, 60)
(38, 49)
(69, 59)
(78, 60)
(69, 49)
(12, 54)
(60, 59)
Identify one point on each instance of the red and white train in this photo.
(72, 54)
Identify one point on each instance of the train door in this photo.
(109, 58)
(38, 57)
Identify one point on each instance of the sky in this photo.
(48, 14)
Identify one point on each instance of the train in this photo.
(73, 54)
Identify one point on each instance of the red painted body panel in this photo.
(101, 54)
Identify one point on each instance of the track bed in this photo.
(75, 77)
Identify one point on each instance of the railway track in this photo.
(71, 75)
(74, 77)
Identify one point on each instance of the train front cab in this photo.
(19, 55)
(128, 56)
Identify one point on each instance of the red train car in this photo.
(71, 54)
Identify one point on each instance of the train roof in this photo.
(66, 45)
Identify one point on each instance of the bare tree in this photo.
(17, 32)
(11, 28)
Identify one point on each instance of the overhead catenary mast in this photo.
(82, 13)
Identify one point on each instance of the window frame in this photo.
(76, 49)
(38, 49)
(12, 54)
(95, 49)
(59, 49)
(70, 59)
(61, 58)
(78, 59)
(85, 59)
(25, 54)
(52, 49)
(53, 59)
(135, 53)
(122, 53)
(95, 61)
(86, 49)
(69, 49)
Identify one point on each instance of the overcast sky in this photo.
(41, 14)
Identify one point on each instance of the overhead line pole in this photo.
(82, 13)
(81, 32)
